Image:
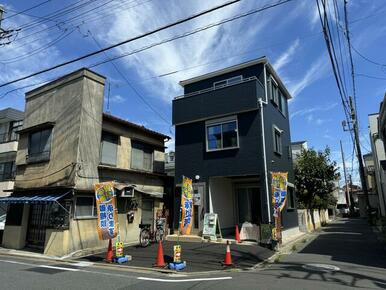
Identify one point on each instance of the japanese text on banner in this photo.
(186, 206)
(106, 209)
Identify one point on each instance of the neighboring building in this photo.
(232, 130)
(66, 146)
(170, 163)
(297, 148)
(371, 185)
(11, 121)
(378, 152)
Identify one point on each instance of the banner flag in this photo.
(106, 209)
(279, 198)
(186, 206)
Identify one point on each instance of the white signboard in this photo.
(210, 226)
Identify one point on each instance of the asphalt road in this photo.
(354, 259)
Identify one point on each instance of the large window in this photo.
(222, 134)
(277, 140)
(273, 91)
(283, 104)
(85, 207)
(39, 145)
(109, 149)
(141, 157)
(7, 171)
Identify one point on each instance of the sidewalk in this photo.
(199, 257)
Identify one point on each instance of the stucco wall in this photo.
(14, 237)
(223, 200)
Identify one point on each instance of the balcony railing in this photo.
(6, 137)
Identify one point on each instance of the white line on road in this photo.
(183, 280)
(40, 266)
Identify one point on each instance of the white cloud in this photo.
(117, 99)
(307, 111)
(194, 50)
(316, 71)
(286, 56)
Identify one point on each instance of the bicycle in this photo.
(148, 235)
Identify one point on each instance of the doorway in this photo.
(198, 208)
(248, 204)
(147, 216)
(39, 220)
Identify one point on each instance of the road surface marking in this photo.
(40, 266)
(183, 280)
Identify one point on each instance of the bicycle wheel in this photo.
(159, 235)
(144, 238)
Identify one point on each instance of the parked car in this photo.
(343, 209)
(2, 222)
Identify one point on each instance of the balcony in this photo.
(213, 102)
(8, 143)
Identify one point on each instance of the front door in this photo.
(198, 208)
(39, 220)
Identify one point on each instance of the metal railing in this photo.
(6, 137)
(215, 88)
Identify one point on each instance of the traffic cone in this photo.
(109, 254)
(159, 261)
(228, 256)
(237, 234)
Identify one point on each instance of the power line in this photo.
(147, 34)
(368, 59)
(25, 10)
(169, 73)
(369, 76)
(137, 93)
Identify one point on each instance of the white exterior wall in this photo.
(222, 195)
(378, 150)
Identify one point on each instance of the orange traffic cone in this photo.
(109, 254)
(159, 261)
(228, 256)
(237, 234)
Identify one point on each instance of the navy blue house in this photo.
(232, 130)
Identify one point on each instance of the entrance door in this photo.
(198, 208)
(39, 220)
(248, 204)
(147, 216)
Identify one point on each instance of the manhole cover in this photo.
(321, 267)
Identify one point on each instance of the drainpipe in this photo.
(261, 103)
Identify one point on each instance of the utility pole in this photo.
(1, 15)
(359, 155)
(345, 175)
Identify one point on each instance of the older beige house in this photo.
(67, 144)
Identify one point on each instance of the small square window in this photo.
(277, 140)
(85, 207)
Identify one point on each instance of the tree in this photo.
(314, 177)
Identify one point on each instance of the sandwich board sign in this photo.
(211, 224)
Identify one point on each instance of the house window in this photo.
(15, 126)
(227, 82)
(39, 146)
(109, 148)
(274, 91)
(7, 171)
(85, 207)
(290, 198)
(222, 134)
(283, 104)
(277, 142)
(141, 157)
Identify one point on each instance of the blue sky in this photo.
(289, 35)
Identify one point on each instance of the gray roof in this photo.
(11, 114)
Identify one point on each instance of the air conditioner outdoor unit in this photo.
(127, 192)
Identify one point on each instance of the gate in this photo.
(39, 220)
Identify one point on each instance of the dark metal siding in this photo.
(235, 98)
(192, 158)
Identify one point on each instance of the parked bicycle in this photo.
(148, 235)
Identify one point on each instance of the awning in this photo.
(151, 193)
(33, 198)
